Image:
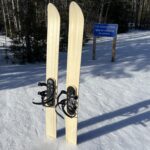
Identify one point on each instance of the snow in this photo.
(114, 110)
(5, 42)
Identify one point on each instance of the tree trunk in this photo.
(28, 48)
(4, 17)
(136, 12)
(107, 10)
(101, 12)
(8, 17)
(18, 16)
(14, 16)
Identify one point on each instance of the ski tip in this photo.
(75, 7)
(50, 5)
(73, 3)
(52, 8)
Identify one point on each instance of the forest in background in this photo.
(25, 22)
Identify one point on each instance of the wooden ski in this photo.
(53, 33)
(75, 38)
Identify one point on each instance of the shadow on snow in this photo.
(14, 76)
(133, 118)
(132, 54)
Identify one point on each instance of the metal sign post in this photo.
(105, 30)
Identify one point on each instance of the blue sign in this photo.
(105, 30)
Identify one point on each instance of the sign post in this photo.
(94, 48)
(105, 30)
(114, 49)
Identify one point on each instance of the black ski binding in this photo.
(47, 96)
(70, 104)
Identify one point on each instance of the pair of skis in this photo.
(49, 97)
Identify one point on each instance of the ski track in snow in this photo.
(114, 104)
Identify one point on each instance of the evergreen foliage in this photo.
(26, 21)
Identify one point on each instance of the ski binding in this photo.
(47, 96)
(70, 104)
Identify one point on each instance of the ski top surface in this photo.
(75, 39)
(53, 32)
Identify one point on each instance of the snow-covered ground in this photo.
(114, 111)
(5, 43)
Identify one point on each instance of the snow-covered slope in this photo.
(114, 111)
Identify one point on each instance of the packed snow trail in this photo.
(114, 108)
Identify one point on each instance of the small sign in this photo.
(105, 30)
